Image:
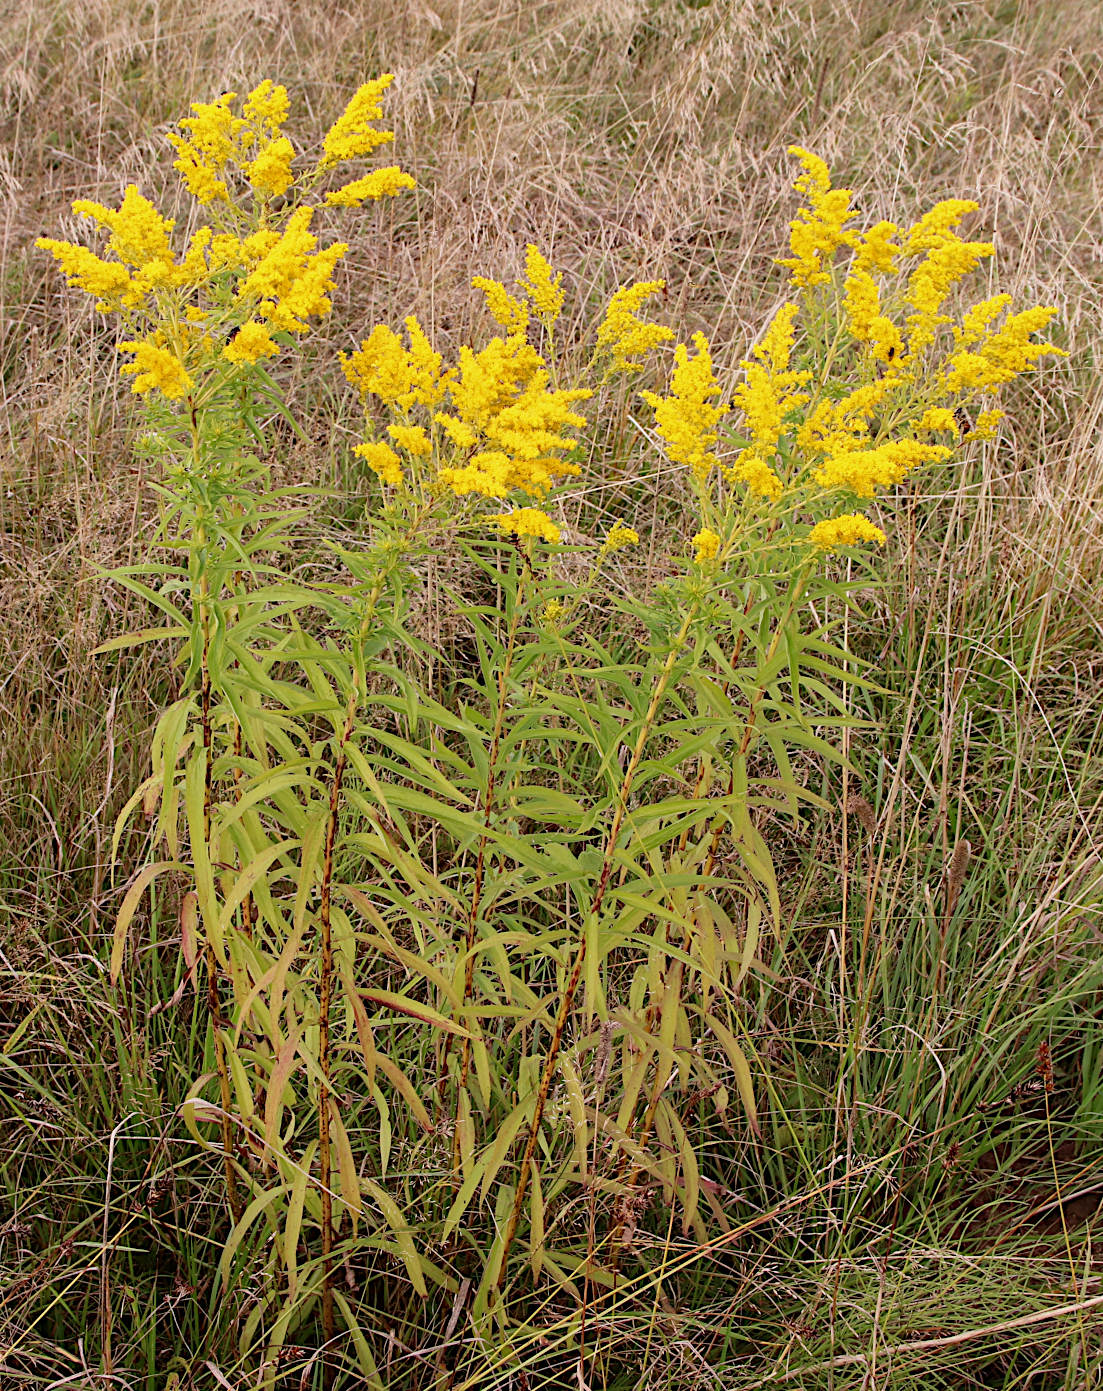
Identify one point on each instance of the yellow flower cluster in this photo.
(687, 418)
(505, 309)
(267, 277)
(505, 429)
(1003, 354)
(619, 536)
(542, 286)
(383, 460)
(820, 229)
(290, 282)
(527, 521)
(504, 411)
(865, 320)
(353, 135)
(850, 530)
(399, 376)
(707, 544)
(155, 366)
(863, 471)
(767, 396)
(541, 291)
(622, 336)
(380, 183)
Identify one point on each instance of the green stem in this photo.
(325, 991)
(571, 987)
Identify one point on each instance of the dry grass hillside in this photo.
(628, 138)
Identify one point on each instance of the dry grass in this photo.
(626, 137)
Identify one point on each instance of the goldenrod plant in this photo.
(479, 947)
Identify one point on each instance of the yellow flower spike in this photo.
(840, 532)
(411, 438)
(382, 459)
(155, 366)
(381, 183)
(622, 336)
(864, 471)
(686, 419)
(398, 376)
(542, 286)
(353, 135)
(862, 305)
(250, 343)
(1006, 353)
(976, 321)
(937, 226)
(707, 545)
(768, 393)
(270, 173)
(267, 105)
(527, 521)
(210, 144)
(504, 308)
(819, 230)
(619, 536)
(84, 270)
(139, 234)
(875, 249)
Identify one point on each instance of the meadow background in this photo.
(629, 139)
